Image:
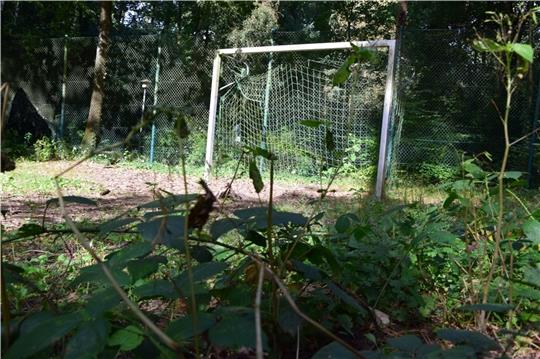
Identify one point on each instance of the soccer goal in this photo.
(266, 103)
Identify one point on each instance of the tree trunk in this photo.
(91, 133)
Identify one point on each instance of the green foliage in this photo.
(436, 173)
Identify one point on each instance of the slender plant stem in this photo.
(258, 325)
(194, 318)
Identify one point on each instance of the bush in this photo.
(436, 173)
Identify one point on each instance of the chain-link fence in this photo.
(443, 100)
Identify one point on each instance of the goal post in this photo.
(387, 104)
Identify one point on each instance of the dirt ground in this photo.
(117, 188)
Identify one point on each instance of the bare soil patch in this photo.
(126, 188)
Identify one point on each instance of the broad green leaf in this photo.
(255, 176)
(487, 45)
(156, 288)
(89, 340)
(473, 169)
(477, 340)
(182, 329)
(309, 271)
(334, 350)
(444, 237)
(181, 127)
(343, 72)
(72, 199)
(343, 223)
(329, 141)
(346, 298)
(168, 231)
(44, 334)
(201, 272)
(141, 268)
(512, 174)
(531, 228)
(101, 301)
(289, 321)
(115, 224)
(456, 352)
(364, 54)
(235, 331)
(27, 230)
(259, 151)
(201, 254)
(95, 274)
(260, 216)
(525, 51)
(223, 226)
(247, 213)
(256, 238)
(488, 307)
(312, 123)
(170, 201)
(406, 343)
(127, 339)
(132, 251)
(532, 276)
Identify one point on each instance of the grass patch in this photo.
(29, 179)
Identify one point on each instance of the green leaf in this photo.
(259, 151)
(182, 329)
(89, 340)
(94, 274)
(27, 230)
(344, 71)
(406, 343)
(343, 223)
(473, 169)
(170, 201)
(156, 288)
(531, 228)
(170, 230)
(201, 254)
(312, 123)
(224, 226)
(444, 237)
(181, 127)
(477, 340)
(346, 298)
(201, 272)
(525, 51)
(487, 45)
(72, 199)
(309, 271)
(532, 276)
(115, 224)
(127, 339)
(142, 268)
(101, 301)
(132, 251)
(255, 176)
(256, 238)
(289, 321)
(329, 141)
(42, 335)
(235, 331)
(512, 174)
(488, 307)
(334, 350)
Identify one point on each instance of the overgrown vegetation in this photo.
(174, 278)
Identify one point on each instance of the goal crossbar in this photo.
(387, 106)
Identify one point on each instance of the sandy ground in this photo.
(131, 187)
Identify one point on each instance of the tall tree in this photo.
(91, 133)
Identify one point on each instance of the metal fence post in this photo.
(156, 81)
(63, 99)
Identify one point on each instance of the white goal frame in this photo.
(387, 106)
